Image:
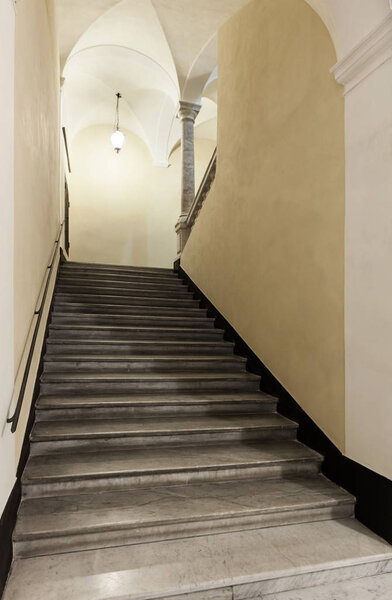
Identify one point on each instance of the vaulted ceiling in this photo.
(155, 52)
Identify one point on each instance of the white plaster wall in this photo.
(369, 271)
(7, 442)
(348, 21)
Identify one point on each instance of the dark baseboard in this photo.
(7, 523)
(372, 491)
(176, 265)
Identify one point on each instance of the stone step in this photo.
(88, 521)
(120, 309)
(120, 290)
(245, 565)
(175, 404)
(130, 320)
(141, 364)
(99, 434)
(113, 281)
(70, 473)
(72, 265)
(97, 347)
(142, 277)
(101, 332)
(95, 383)
(126, 299)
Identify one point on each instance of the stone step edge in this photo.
(143, 358)
(67, 326)
(44, 401)
(315, 458)
(37, 437)
(107, 527)
(95, 341)
(87, 265)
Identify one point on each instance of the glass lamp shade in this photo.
(117, 139)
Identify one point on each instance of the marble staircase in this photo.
(156, 463)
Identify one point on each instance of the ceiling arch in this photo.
(156, 52)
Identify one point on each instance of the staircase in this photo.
(150, 438)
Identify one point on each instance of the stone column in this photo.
(188, 113)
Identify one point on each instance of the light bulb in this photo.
(117, 139)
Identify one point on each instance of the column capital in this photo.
(188, 111)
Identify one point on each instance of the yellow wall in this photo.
(123, 208)
(36, 158)
(268, 246)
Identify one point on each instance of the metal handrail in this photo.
(15, 417)
(203, 190)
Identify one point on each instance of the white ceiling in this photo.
(155, 52)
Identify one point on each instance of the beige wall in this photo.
(36, 160)
(268, 247)
(123, 208)
(7, 444)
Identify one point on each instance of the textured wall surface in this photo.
(123, 208)
(368, 271)
(268, 247)
(37, 83)
(7, 443)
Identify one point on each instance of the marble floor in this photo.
(246, 565)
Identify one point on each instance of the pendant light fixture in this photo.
(117, 137)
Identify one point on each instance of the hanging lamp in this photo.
(117, 137)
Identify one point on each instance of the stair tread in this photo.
(185, 322)
(262, 560)
(94, 428)
(150, 342)
(45, 517)
(68, 326)
(120, 268)
(61, 304)
(108, 298)
(142, 358)
(138, 281)
(164, 376)
(181, 292)
(175, 399)
(84, 315)
(82, 465)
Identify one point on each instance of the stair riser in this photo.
(144, 366)
(130, 321)
(123, 282)
(137, 291)
(88, 539)
(303, 468)
(98, 309)
(58, 445)
(100, 387)
(118, 412)
(117, 269)
(155, 348)
(129, 300)
(69, 333)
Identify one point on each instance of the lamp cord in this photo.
(118, 111)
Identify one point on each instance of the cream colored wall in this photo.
(7, 445)
(36, 161)
(268, 246)
(368, 271)
(123, 208)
